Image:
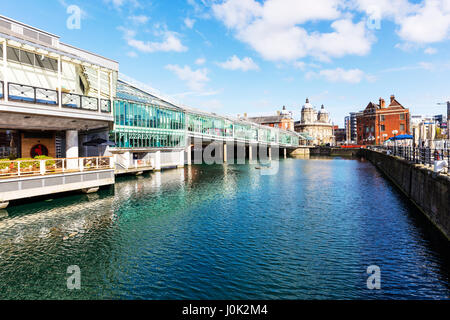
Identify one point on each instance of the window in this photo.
(402, 127)
(13, 54)
(382, 118)
(402, 116)
(26, 57)
(383, 128)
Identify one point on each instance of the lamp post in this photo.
(395, 132)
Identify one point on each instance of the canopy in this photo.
(98, 142)
(402, 137)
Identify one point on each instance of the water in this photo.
(227, 232)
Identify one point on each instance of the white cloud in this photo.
(430, 51)
(429, 24)
(419, 23)
(189, 23)
(340, 75)
(118, 4)
(200, 61)
(195, 79)
(234, 63)
(140, 19)
(132, 54)
(274, 30)
(169, 42)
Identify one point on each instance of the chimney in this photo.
(392, 98)
(382, 103)
(245, 115)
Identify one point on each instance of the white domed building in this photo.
(315, 124)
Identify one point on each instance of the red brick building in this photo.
(377, 122)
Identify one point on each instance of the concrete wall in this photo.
(429, 191)
(334, 152)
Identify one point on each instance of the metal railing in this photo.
(22, 168)
(31, 94)
(23, 93)
(420, 155)
(76, 101)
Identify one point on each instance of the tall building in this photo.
(378, 122)
(283, 120)
(316, 124)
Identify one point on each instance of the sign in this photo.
(39, 150)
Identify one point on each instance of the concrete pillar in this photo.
(181, 164)
(250, 152)
(270, 153)
(285, 153)
(225, 154)
(158, 161)
(72, 149)
(189, 154)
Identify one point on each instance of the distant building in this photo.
(377, 122)
(340, 135)
(316, 124)
(423, 129)
(283, 120)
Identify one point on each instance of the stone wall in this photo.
(429, 191)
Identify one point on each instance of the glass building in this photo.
(143, 121)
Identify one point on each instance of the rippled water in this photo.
(227, 232)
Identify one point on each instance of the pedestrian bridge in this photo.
(151, 128)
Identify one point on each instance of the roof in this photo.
(268, 119)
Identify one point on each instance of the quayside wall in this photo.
(428, 190)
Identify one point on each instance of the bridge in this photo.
(152, 132)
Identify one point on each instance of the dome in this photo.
(307, 105)
(323, 110)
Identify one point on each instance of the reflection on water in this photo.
(218, 232)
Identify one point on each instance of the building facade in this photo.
(283, 120)
(379, 122)
(316, 124)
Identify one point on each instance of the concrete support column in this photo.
(181, 164)
(250, 152)
(270, 153)
(225, 154)
(189, 154)
(72, 149)
(158, 161)
(5, 72)
(285, 153)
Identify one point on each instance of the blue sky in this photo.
(236, 56)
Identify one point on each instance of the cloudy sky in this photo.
(236, 56)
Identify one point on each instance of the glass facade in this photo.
(142, 120)
(139, 125)
(245, 131)
(209, 125)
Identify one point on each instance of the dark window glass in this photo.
(26, 57)
(13, 54)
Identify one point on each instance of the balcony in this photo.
(35, 95)
(39, 177)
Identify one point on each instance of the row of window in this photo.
(29, 58)
(131, 114)
(211, 126)
(383, 128)
(401, 116)
(142, 139)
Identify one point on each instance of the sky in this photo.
(246, 56)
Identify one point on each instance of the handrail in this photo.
(30, 167)
(39, 95)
